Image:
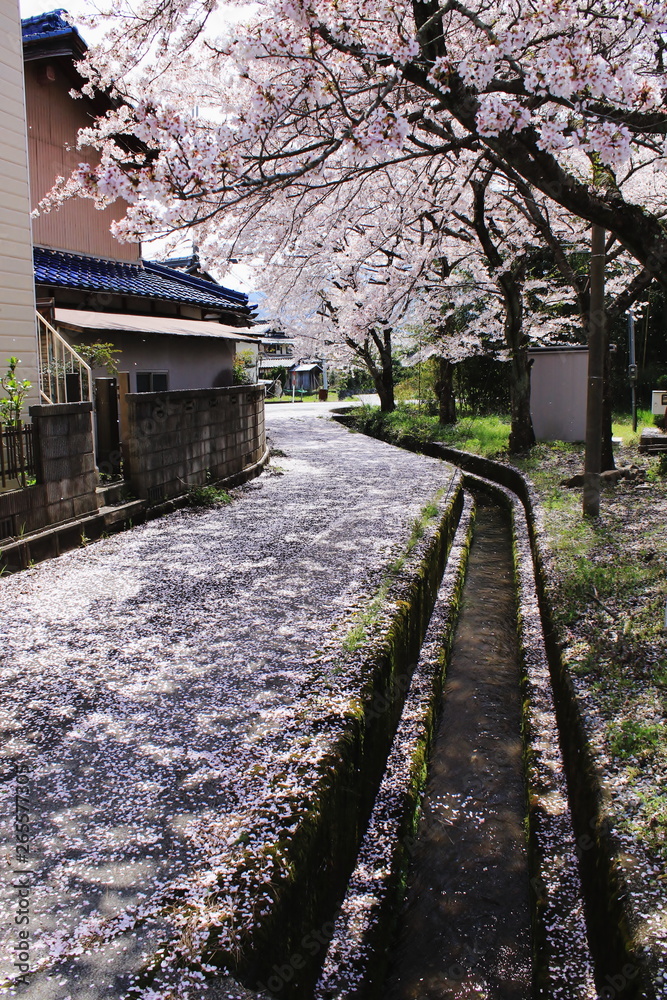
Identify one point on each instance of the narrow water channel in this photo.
(464, 930)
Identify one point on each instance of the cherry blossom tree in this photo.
(463, 324)
(498, 249)
(309, 96)
(311, 93)
(356, 272)
(567, 240)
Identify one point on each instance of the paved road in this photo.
(146, 681)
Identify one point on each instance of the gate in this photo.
(107, 428)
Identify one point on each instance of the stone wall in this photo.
(178, 439)
(65, 467)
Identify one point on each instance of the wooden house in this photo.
(173, 329)
(18, 334)
(306, 376)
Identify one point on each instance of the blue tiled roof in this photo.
(155, 281)
(50, 25)
(201, 283)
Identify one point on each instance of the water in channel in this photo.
(464, 931)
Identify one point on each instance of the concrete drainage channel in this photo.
(552, 958)
(579, 942)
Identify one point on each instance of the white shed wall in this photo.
(18, 334)
(558, 388)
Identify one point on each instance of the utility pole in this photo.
(596, 349)
(632, 368)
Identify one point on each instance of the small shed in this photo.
(558, 391)
(305, 376)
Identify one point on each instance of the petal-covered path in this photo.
(148, 678)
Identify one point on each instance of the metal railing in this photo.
(64, 377)
(17, 454)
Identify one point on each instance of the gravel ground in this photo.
(148, 684)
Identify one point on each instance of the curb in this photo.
(355, 959)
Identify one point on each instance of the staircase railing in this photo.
(64, 377)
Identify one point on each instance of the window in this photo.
(152, 381)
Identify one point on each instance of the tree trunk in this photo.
(444, 388)
(522, 435)
(382, 373)
(510, 282)
(596, 353)
(383, 376)
(386, 394)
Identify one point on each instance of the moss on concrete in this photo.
(282, 886)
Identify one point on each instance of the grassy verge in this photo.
(486, 436)
(312, 397)
(608, 590)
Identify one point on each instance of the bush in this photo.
(243, 368)
(207, 494)
(481, 385)
(353, 382)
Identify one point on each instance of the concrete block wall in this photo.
(176, 439)
(65, 471)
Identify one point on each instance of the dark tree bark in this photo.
(380, 366)
(510, 282)
(607, 460)
(444, 389)
(522, 435)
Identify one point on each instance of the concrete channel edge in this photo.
(354, 965)
(269, 944)
(626, 967)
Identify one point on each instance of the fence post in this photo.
(3, 477)
(21, 463)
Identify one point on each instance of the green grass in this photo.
(622, 426)
(482, 435)
(207, 495)
(488, 436)
(639, 741)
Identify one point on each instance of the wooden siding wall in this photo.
(54, 119)
(18, 335)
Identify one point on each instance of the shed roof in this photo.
(557, 348)
(83, 319)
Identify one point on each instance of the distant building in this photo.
(306, 376)
(276, 349)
